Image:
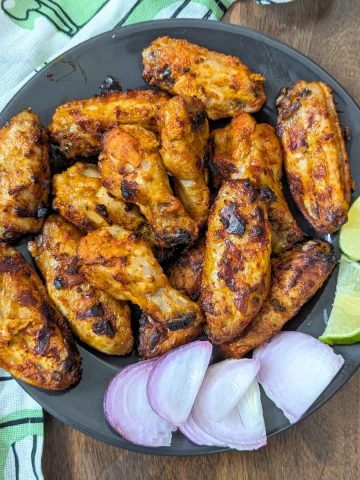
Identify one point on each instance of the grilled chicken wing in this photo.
(24, 176)
(236, 274)
(131, 168)
(296, 276)
(36, 344)
(185, 273)
(245, 149)
(184, 138)
(80, 197)
(222, 82)
(96, 318)
(77, 126)
(316, 161)
(122, 264)
(155, 340)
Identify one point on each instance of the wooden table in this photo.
(324, 446)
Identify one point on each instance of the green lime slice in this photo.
(350, 233)
(344, 323)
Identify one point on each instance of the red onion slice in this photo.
(175, 380)
(193, 432)
(295, 368)
(128, 411)
(243, 427)
(224, 385)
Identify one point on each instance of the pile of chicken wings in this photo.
(186, 221)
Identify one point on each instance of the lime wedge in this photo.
(344, 322)
(350, 233)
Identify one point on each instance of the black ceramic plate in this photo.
(78, 74)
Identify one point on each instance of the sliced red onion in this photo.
(224, 385)
(175, 380)
(294, 369)
(128, 411)
(243, 427)
(195, 434)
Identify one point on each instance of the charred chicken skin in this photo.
(96, 318)
(296, 276)
(236, 274)
(122, 264)
(316, 162)
(224, 84)
(77, 126)
(245, 149)
(80, 198)
(185, 274)
(36, 344)
(131, 168)
(184, 138)
(154, 340)
(24, 176)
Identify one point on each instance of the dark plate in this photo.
(78, 74)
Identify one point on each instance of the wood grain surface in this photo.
(326, 445)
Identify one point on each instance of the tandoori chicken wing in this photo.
(236, 274)
(245, 149)
(131, 168)
(81, 198)
(122, 264)
(296, 276)
(184, 138)
(316, 161)
(222, 82)
(96, 318)
(24, 176)
(36, 344)
(77, 126)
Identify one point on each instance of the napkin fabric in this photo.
(32, 33)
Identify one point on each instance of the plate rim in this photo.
(206, 25)
(213, 24)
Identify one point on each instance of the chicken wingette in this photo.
(245, 149)
(36, 344)
(131, 168)
(222, 82)
(236, 274)
(296, 276)
(24, 176)
(184, 133)
(316, 162)
(77, 126)
(96, 318)
(185, 274)
(154, 340)
(122, 264)
(80, 198)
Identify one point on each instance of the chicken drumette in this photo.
(122, 264)
(131, 168)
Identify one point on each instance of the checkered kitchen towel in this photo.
(32, 32)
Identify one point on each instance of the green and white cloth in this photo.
(33, 32)
(21, 432)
